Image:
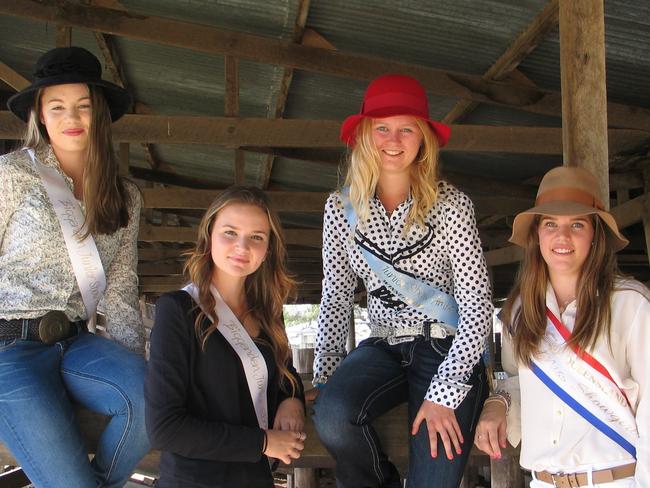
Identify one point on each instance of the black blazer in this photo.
(199, 411)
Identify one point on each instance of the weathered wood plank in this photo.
(523, 45)
(164, 233)
(584, 94)
(285, 53)
(12, 78)
(296, 133)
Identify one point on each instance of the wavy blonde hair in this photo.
(364, 167)
(105, 196)
(595, 285)
(266, 290)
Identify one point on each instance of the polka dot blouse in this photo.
(445, 252)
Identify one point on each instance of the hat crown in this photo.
(395, 94)
(68, 60)
(575, 180)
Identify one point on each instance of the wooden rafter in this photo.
(113, 64)
(231, 108)
(283, 92)
(280, 52)
(12, 78)
(297, 133)
(523, 45)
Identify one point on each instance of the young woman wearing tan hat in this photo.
(68, 236)
(575, 342)
(412, 239)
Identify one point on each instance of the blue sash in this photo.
(582, 411)
(419, 295)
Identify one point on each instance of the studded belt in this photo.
(52, 327)
(393, 335)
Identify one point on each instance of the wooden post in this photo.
(584, 97)
(63, 36)
(231, 108)
(506, 473)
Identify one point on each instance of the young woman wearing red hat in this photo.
(68, 236)
(412, 238)
(575, 343)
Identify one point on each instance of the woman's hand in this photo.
(290, 415)
(284, 445)
(439, 421)
(491, 429)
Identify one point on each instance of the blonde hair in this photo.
(595, 285)
(266, 290)
(105, 196)
(364, 167)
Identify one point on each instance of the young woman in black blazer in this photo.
(205, 406)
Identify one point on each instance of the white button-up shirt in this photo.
(554, 437)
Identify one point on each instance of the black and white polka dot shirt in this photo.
(445, 252)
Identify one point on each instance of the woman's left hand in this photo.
(439, 421)
(290, 415)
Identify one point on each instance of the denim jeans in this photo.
(374, 378)
(39, 383)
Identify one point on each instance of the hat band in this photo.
(409, 103)
(564, 194)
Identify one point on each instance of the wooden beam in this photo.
(296, 133)
(12, 78)
(584, 94)
(523, 45)
(284, 53)
(283, 92)
(282, 201)
(161, 233)
(63, 36)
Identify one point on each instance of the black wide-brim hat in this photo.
(64, 65)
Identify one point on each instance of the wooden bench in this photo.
(391, 428)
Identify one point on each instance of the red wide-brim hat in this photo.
(391, 95)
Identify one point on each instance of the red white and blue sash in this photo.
(585, 385)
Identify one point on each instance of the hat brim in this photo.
(349, 127)
(523, 221)
(118, 99)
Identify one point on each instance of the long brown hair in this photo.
(105, 196)
(267, 289)
(596, 282)
(364, 167)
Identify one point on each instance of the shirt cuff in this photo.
(447, 393)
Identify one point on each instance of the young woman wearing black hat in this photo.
(412, 239)
(68, 236)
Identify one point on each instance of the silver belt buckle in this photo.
(394, 340)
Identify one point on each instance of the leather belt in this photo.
(576, 480)
(393, 335)
(52, 327)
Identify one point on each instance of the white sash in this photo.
(251, 358)
(86, 263)
(600, 396)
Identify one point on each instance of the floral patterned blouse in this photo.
(36, 275)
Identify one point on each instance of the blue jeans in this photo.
(39, 383)
(373, 379)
